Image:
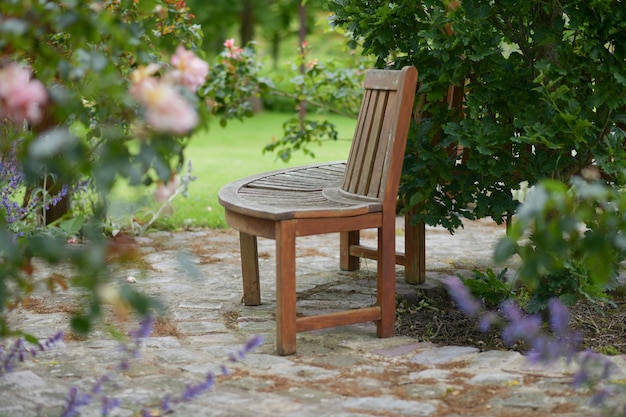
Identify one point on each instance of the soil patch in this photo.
(434, 318)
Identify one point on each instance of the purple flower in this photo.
(19, 351)
(462, 296)
(599, 397)
(144, 329)
(547, 350)
(166, 404)
(123, 365)
(250, 345)
(73, 402)
(521, 326)
(11, 188)
(559, 317)
(581, 377)
(588, 373)
(486, 321)
(57, 198)
(109, 404)
(97, 388)
(192, 391)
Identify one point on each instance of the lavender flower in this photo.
(144, 330)
(73, 402)
(11, 179)
(109, 404)
(561, 342)
(97, 388)
(166, 404)
(487, 320)
(75, 399)
(137, 335)
(521, 326)
(193, 390)
(19, 351)
(599, 397)
(589, 364)
(559, 317)
(580, 378)
(462, 296)
(56, 198)
(250, 345)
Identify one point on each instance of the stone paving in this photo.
(342, 372)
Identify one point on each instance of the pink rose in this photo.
(233, 51)
(21, 99)
(229, 43)
(189, 70)
(166, 110)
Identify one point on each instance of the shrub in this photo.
(570, 238)
(544, 94)
(100, 90)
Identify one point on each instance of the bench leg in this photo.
(285, 288)
(386, 279)
(347, 239)
(414, 251)
(250, 269)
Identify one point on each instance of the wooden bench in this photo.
(340, 197)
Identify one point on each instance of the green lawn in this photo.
(222, 155)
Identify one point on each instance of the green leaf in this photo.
(74, 225)
(81, 325)
(505, 248)
(51, 143)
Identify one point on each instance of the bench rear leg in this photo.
(346, 261)
(414, 250)
(250, 269)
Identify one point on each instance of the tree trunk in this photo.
(247, 22)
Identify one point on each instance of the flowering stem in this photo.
(157, 214)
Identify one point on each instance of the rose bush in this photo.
(91, 93)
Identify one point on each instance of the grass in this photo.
(218, 157)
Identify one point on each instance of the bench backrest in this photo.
(375, 162)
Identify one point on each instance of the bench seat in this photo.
(301, 192)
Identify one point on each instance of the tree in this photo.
(269, 20)
(544, 94)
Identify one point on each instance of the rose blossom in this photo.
(166, 110)
(20, 97)
(190, 71)
(233, 51)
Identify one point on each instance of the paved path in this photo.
(341, 372)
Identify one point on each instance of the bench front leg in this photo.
(285, 288)
(386, 278)
(250, 269)
(346, 261)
